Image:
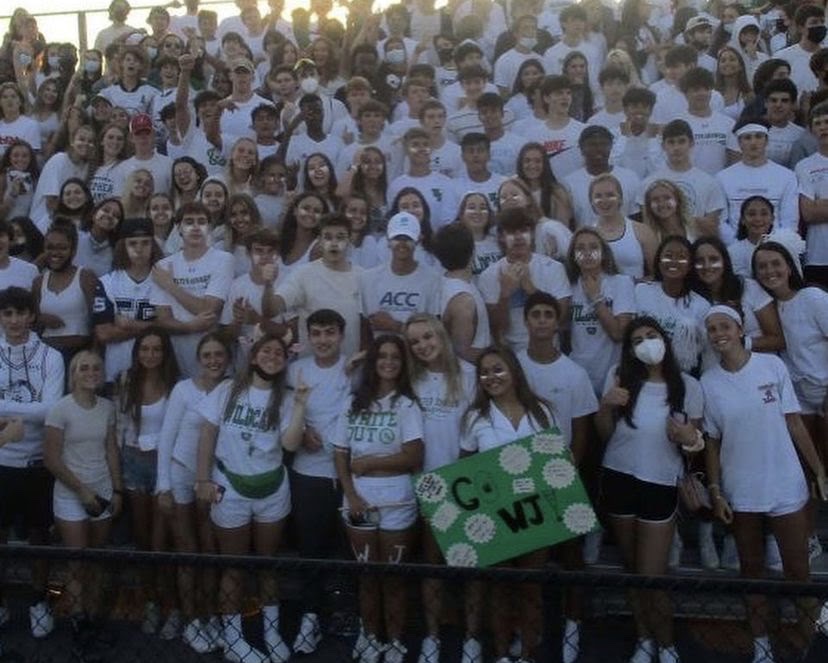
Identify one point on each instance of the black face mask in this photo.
(780, 25)
(817, 33)
(445, 54)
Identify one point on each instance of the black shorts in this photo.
(26, 497)
(625, 496)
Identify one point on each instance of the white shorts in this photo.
(70, 508)
(811, 396)
(787, 507)
(379, 492)
(182, 483)
(236, 511)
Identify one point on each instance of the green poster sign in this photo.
(506, 502)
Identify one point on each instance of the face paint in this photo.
(582, 256)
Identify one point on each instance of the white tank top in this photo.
(627, 251)
(70, 305)
(453, 287)
(152, 417)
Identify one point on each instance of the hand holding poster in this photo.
(505, 502)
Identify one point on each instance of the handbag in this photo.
(693, 493)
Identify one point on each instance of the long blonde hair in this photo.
(450, 364)
(682, 209)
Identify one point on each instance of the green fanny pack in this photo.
(254, 486)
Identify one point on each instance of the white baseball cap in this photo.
(403, 223)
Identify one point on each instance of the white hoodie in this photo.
(751, 63)
(31, 382)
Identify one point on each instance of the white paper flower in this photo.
(461, 554)
(431, 488)
(444, 516)
(514, 459)
(558, 473)
(523, 486)
(480, 528)
(547, 443)
(579, 518)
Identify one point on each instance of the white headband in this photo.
(752, 128)
(729, 311)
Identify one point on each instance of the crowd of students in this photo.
(267, 270)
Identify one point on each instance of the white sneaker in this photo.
(773, 559)
(276, 647)
(592, 546)
(822, 620)
(309, 635)
(172, 627)
(814, 547)
(152, 619)
(41, 619)
(571, 645)
(429, 650)
(472, 651)
(707, 547)
(241, 651)
(730, 554)
(676, 548)
(395, 653)
(198, 638)
(668, 655)
(645, 651)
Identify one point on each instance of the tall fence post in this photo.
(82, 38)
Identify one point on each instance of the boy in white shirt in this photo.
(445, 154)
(191, 286)
(329, 282)
(704, 195)
(573, 23)
(479, 179)
(504, 146)
(780, 102)
(812, 174)
(636, 146)
(614, 83)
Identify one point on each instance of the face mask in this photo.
(25, 59)
(54, 61)
(91, 66)
(393, 81)
(817, 33)
(650, 351)
(528, 42)
(152, 52)
(780, 25)
(397, 56)
(309, 85)
(727, 27)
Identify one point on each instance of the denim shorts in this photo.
(140, 469)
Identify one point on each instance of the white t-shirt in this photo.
(18, 273)
(237, 121)
(314, 286)
(195, 144)
(645, 451)
(160, 165)
(483, 433)
(503, 153)
(330, 387)
(507, 65)
(800, 61)
(611, 121)
(682, 320)
(741, 255)
(812, 175)
(23, 128)
(119, 294)
(134, 101)
(208, 276)
(486, 252)
(547, 275)
(399, 296)
(56, 171)
(390, 422)
(780, 142)
(805, 324)
(108, 181)
(302, 146)
(442, 416)
(439, 191)
(701, 190)
(712, 137)
(564, 385)
(488, 188)
(746, 410)
(592, 347)
(776, 183)
(245, 445)
(561, 145)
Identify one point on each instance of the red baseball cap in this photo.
(140, 124)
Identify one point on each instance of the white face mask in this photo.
(396, 56)
(25, 59)
(309, 85)
(650, 351)
(528, 42)
(152, 52)
(54, 61)
(92, 66)
(727, 27)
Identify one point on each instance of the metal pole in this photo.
(82, 38)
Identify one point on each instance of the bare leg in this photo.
(530, 603)
(366, 548)
(625, 528)
(232, 541)
(431, 588)
(395, 548)
(653, 542)
(748, 531)
(266, 540)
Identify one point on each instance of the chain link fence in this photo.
(123, 606)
